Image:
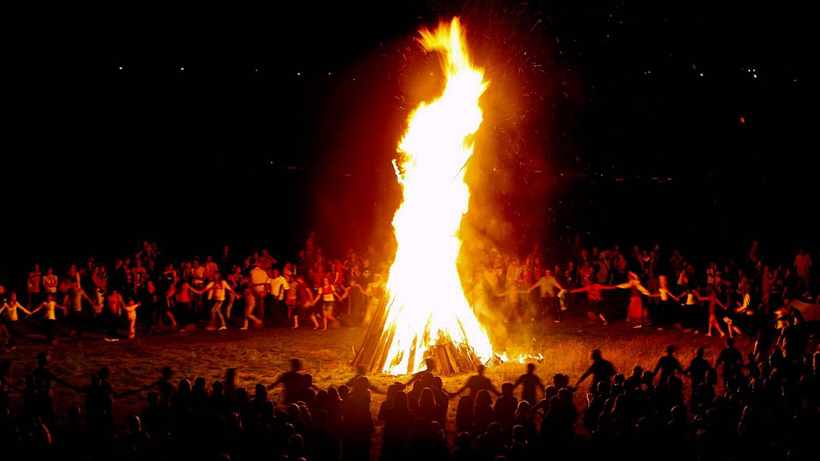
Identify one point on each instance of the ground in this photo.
(261, 355)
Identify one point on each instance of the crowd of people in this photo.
(648, 287)
(149, 293)
(766, 408)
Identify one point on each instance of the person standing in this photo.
(802, 264)
(49, 307)
(250, 306)
(75, 316)
(278, 285)
(375, 292)
(236, 280)
(714, 302)
(131, 314)
(115, 304)
(636, 314)
(594, 299)
(34, 286)
(210, 268)
(549, 300)
(10, 318)
(667, 365)
(259, 285)
(531, 384)
(50, 283)
(304, 303)
(601, 370)
(216, 296)
(327, 293)
(197, 277)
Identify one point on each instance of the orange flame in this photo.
(427, 302)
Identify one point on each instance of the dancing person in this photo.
(667, 365)
(601, 371)
(530, 383)
(731, 359)
(327, 293)
(375, 292)
(349, 296)
(250, 307)
(594, 299)
(216, 295)
(236, 280)
(179, 298)
(636, 311)
(304, 303)
(549, 299)
(49, 307)
(9, 311)
(477, 383)
(115, 305)
(130, 309)
(697, 369)
(75, 315)
(259, 284)
(667, 308)
(278, 286)
(159, 307)
(292, 381)
(714, 302)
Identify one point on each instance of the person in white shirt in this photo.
(210, 268)
(277, 286)
(10, 318)
(131, 315)
(216, 295)
(259, 286)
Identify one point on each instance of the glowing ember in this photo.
(427, 304)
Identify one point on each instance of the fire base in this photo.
(372, 355)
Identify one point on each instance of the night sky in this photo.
(625, 122)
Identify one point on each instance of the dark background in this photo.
(598, 122)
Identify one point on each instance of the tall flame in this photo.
(427, 302)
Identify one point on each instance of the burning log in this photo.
(373, 353)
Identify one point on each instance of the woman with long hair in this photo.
(636, 314)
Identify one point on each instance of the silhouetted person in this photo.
(601, 371)
(477, 383)
(292, 380)
(697, 369)
(530, 383)
(667, 365)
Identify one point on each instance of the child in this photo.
(131, 315)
